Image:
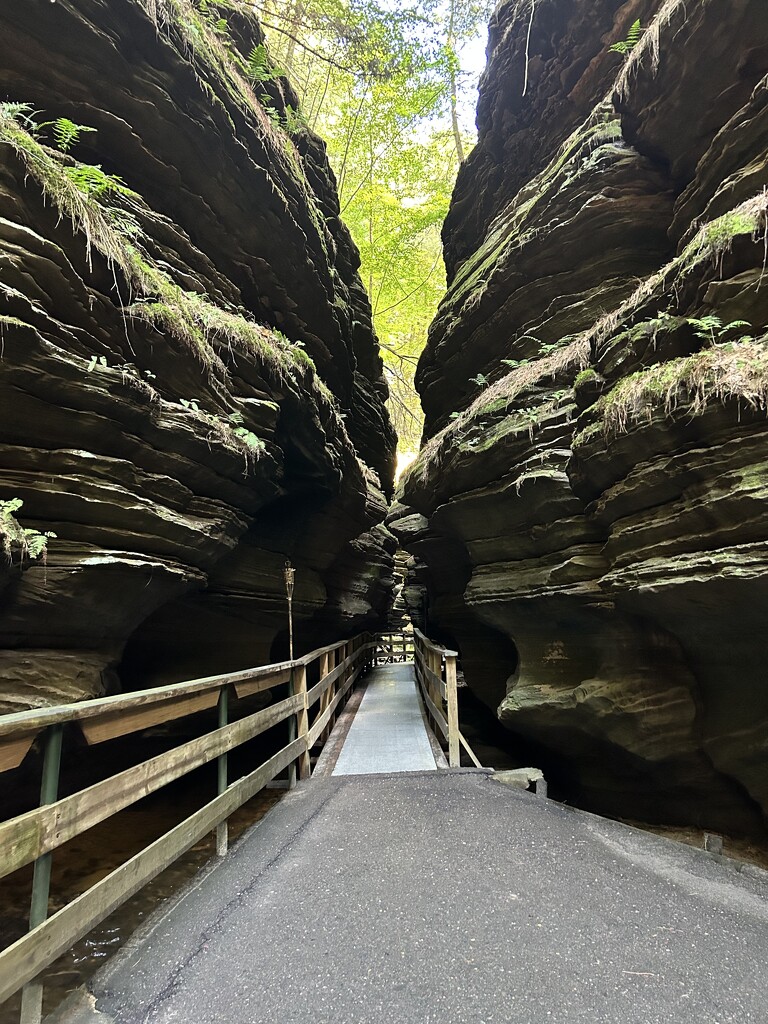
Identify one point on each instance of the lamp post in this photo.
(290, 575)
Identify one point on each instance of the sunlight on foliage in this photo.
(384, 86)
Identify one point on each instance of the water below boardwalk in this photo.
(88, 858)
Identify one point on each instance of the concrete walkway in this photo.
(445, 897)
(388, 732)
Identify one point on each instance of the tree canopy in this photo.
(383, 84)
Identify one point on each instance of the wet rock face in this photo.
(588, 515)
(190, 386)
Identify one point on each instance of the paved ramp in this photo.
(446, 898)
(388, 732)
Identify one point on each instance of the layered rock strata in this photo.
(190, 386)
(588, 514)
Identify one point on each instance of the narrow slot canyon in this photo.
(271, 305)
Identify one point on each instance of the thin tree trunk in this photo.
(294, 22)
(370, 213)
(451, 44)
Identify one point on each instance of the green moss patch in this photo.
(733, 371)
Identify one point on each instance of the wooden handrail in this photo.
(34, 836)
(123, 713)
(432, 646)
(435, 668)
(25, 838)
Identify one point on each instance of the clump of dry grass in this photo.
(735, 370)
(648, 47)
(570, 358)
(206, 327)
(87, 215)
(711, 242)
(199, 324)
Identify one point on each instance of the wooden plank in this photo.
(13, 750)
(426, 664)
(429, 680)
(325, 668)
(319, 688)
(299, 686)
(469, 750)
(322, 720)
(120, 723)
(432, 646)
(321, 723)
(433, 666)
(17, 730)
(314, 655)
(24, 960)
(41, 718)
(451, 696)
(28, 836)
(440, 720)
(277, 678)
(436, 682)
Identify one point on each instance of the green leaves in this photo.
(10, 507)
(23, 113)
(295, 120)
(712, 328)
(259, 67)
(252, 441)
(626, 46)
(93, 182)
(32, 543)
(376, 80)
(66, 133)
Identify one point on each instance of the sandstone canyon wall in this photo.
(588, 518)
(190, 386)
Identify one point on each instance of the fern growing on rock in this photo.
(626, 46)
(66, 133)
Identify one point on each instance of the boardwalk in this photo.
(444, 896)
(388, 733)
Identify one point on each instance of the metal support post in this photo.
(32, 994)
(222, 829)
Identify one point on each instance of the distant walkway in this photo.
(445, 898)
(388, 733)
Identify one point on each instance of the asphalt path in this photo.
(445, 897)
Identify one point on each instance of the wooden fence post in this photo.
(451, 696)
(302, 720)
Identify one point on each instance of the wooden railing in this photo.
(32, 838)
(436, 675)
(394, 648)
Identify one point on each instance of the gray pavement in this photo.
(446, 897)
(388, 733)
